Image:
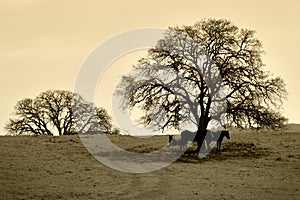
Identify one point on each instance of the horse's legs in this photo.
(219, 142)
(182, 144)
(218, 146)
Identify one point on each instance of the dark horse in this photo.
(172, 141)
(220, 139)
(201, 136)
(190, 136)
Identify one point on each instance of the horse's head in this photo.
(226, 134)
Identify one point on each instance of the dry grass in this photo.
(252, 165)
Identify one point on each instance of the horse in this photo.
(185, 137)
(172, 141)
(217, 136)
(220, 139)
(202, 135)
(197, 136)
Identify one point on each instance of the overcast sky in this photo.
(43, 43)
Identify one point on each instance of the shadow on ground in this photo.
(230, 150)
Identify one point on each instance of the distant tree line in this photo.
(59, 112)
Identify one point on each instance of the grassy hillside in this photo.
(252, 165)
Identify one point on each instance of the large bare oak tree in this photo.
(212, 70)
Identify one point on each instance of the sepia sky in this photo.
(43, 43)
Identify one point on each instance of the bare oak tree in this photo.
(58, 111)
(211, 70)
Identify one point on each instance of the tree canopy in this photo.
(212, 70)
(58, 112)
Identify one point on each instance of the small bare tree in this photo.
(57, 111)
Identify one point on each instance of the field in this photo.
(252, 165)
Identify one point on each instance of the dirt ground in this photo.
(252, 165)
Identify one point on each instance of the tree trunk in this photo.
(201, 132)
